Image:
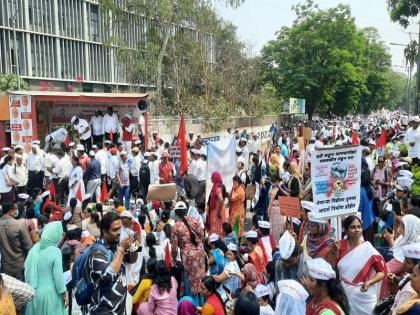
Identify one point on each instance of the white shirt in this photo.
(112, 166)
(110, 123)
(266, 310)
(137, 160)
(102, 157)
(63, 167)
(81, 126)
(154, 172)
(198, 169)
(50, 161)
(21, 173)
(142, 123)
(97, 125)
(59, 135)
(3, 187)
(36, 161)
(413, 135)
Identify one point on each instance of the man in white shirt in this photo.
(50, 160)
(111, 125)
(154, 168)
(62, 171)
(112, 167)
(142, 128)
(412, 138)
(102, 157)
(22, 173)
(57, 136)
(35, 169)
(197, 166)
(84, 132)
(96, 122)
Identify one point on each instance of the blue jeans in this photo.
(124, 192)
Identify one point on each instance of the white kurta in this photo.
(76, 181)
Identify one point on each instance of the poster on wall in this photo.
(21, 120)
(335, 174)
(296, 106)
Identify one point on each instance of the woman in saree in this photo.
(214, 303)
(277, 221)
(237, 209)
(75, 180)
(362, 269)
(256, 254)
(217, 213)
(412, 306)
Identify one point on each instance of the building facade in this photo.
(55, 44)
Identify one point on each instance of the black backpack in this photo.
(144, 174)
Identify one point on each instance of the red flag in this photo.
(67, 140)
(104, 192)
(51, 188)
(354, 138)
(79, 195)
(167, 256)
(381, 141)
(182, 143)
(111, 136)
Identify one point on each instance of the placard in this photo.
(307, 133)
(301, 143)
(21, 120)
(163, 192)
(335, 174)
(290, 206)
(174, 151)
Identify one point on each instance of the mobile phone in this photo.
(226, 289)
(390, 230)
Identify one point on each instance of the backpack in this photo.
(80, 274)
(144, 174)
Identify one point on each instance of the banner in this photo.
(163, 192)
(297, 106)
(21, 120)
(174, 151)
(335, 175)
(221, 158)
(290, 206)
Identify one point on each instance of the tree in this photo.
(402, 10)
(398, 92)
(9, 82)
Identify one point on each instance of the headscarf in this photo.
(50, 236)
(316, 243)
(411, 230)
(217, 183)
(186, 307)
(274, 159)
(193, 213)
(251, 276)
(294, 170)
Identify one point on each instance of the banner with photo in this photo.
(296, 106)
(335, 174)
(21, 121)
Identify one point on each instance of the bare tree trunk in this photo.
(159, 87)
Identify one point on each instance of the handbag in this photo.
(383, 307)
(250, 192)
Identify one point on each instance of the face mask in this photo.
(17, 214)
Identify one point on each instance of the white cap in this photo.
(295, 148)
(232, 247)
(108, 141)
(286, 245)
(67, 216)
(395, 153)
(86, 197)
(319, 269)
(73, 119)
(398, 254)
(126, 214)
(308, 205)
(123, 153)
(262, 290)
(195, 151)
(405, 173)
(293, 288)
(388, 207)
(372, 142)
(92, 153)
(23, 196)
(415, 119)
(296, 221)
(45, 194)
(251, 234)
(412, 250)
(311, 218)
(213, 238)
(6, 149)
(181, 205)
(146, 154)
(85, 233)
(241, 159)
(36, 142)
(399, 164)
(80, 147)
(137, 142)
(71, 144)
(94, 146)
(128, 116)
(264, 224)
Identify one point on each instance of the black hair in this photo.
(247, 304)
(396, 207)
(227, 228)
(30, 213)
(150, 242)
(414, 211)
(181, 215)
(6, 207)
(42, 220)
(145, 210)
(75, 234)
(167, 230)
(210, 284)
(76, 160)
(107, 220)
(7, 159)
(349, 220)
(237, 179)
(167, 204)
(162, 277)
(220, 245)
(265, 231)
(336, 293)
(99, 208)
(275, 177)
(365, 182)
(95, 218)
(47, 211)
(73, 204)
(142, 219)
(150, 269)
(253, 240)
(271, 270)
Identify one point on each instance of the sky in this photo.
(258, 21)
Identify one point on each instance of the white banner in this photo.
(21, 120)
(335, 175)
(221, 158)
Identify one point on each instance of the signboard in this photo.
(307, 133)
(286, 106)
(174, 151)
(290, 206)
(297, 106)
(163, 192)
(21, 120)
(335, 174)
(301, 143)
(61, 113)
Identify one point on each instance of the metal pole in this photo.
(15, 43)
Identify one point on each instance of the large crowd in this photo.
(79, 235)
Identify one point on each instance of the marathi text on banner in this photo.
(335, 177)
(21, 121)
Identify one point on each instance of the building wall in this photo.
(62, 40)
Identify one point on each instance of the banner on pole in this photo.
(174, 151)
(335, 174)
(290, 206)
(21, 121)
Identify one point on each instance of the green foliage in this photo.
(9, 82)
(398, 92)
(402, 10)
(415, 187)
(326, 60)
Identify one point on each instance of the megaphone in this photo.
(143, 105)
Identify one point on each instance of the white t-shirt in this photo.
(97, 123)
(81, 126)
(266, 310)
(413, 135)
